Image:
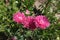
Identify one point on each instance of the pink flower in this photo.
(42, 22)
(29, 23)
(27, 12)
(18, 17)
(14, 38)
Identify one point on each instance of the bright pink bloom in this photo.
(18, 17)
(29, 23)
(27, 12)
(42, 22)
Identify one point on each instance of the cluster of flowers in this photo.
(31, 22)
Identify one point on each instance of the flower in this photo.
(18, 17)
(13, 38)
(27, 12)
(41, 22)
(29, 23)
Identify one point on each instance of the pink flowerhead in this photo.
(14, 38)
(27, 12)
(18, 17)
(29, 23)
(42, 22)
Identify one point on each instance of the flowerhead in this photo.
(29, 23)
(41, 22)
(18, 17)
(27, 12)
(13, 38)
